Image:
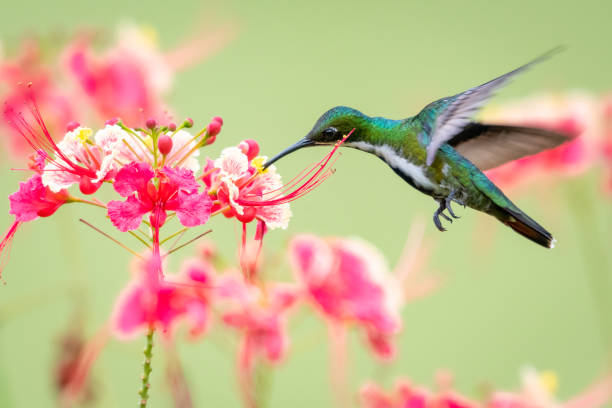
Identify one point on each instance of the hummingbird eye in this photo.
(330, 132)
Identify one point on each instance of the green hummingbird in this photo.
(443, 152)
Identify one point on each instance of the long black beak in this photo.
(302, 143)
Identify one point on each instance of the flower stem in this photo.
(148, 354)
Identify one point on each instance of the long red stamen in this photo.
(40, 139)
(5, 245)
(314, 179)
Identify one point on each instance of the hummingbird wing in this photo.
(488, 146)
(454, 113)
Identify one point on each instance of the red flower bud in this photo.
(213, 128)
(72, 125)
(112, 121)
(211, 140)
(218, 119)
(188, 123)
(172, 127)
(247, 216)
(253, 148)
(151, 123)
(164, 143)
(87, 186)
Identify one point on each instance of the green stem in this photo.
(146, 374)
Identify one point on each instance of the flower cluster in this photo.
(582, 116)
(537, 391)
(128, 78)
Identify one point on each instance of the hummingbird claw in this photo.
(439, 212)
(447, 203)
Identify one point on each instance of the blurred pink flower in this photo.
(132, 76)
(177, 191)
(349, 281)
(537, 392)
(572, 114)
(260, 316)
(30, 67)
(145, 303)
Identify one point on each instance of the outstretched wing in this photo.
(455, 112)
(488, 146)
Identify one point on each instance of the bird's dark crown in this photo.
(337, 122)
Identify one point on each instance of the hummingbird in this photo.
(442, 151)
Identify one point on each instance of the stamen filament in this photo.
(111, 238)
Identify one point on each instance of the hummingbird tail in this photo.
(527, 227)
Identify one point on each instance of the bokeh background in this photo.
(506, 302)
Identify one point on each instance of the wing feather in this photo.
(457, 111)
(488, 146)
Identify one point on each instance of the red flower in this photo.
(176, 191)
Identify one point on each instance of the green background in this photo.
(506, 301)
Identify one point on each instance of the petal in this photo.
(57, 179)
(129, 315)
(33, 200)
(232, 163)
(193, 209)
(110, 138)
(182, 143)
(275, 216)
(127, 215)
(182, 179)
(133, 177)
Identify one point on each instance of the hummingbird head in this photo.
(331, 127)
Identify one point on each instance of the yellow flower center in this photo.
(84, 135)
(258, 163)
(549, 381)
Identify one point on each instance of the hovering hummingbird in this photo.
(442, 152)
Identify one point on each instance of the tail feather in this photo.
(527, 227)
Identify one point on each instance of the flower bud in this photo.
(188, 123)
(151, 123)
(253, 148)
(164, 144)
(112, 121)
(213, 128)
(210, 140)
(72, 125)
(172, 127)
(247, 215)
(218, 119)
(87, 186)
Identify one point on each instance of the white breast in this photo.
(390, 156)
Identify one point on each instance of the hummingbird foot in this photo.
(440, 213)
(448, 201)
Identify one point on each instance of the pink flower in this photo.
(405, 395)
(34, 200)
(130, 78)
(350, 283)
(574, 115)
(30, 67)
(143, 304)
(260, 318)
(176, 191)
(31, 201)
